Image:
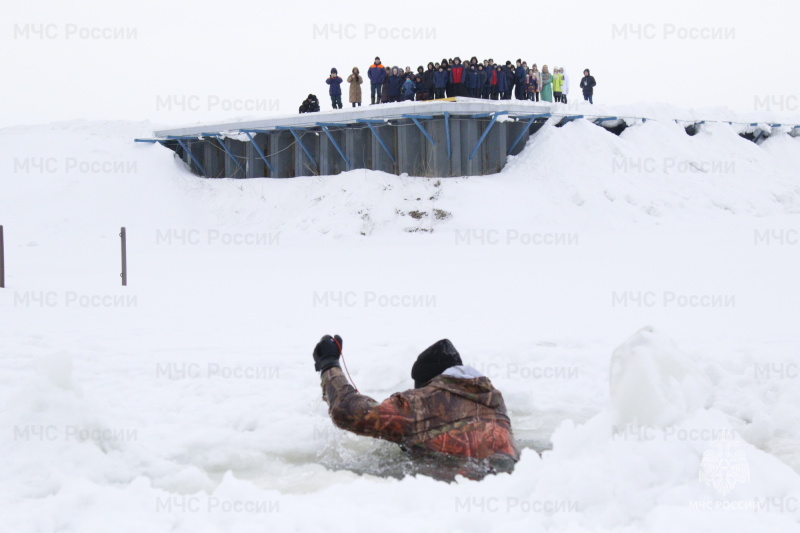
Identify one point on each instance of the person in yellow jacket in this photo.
(558, 84)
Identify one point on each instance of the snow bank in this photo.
(653, 383)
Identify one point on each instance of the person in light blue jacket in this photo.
(408, 89)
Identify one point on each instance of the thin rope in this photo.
(345, 364)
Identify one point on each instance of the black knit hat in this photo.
(433, 361)
(334, 71)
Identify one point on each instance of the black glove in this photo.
(327, 352)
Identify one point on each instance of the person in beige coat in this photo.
(355, 80)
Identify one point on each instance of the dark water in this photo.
(388, 460)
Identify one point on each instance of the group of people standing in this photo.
(450, 77)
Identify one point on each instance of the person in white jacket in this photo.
(565, 88)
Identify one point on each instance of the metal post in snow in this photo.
(124, 274)
(2, 261)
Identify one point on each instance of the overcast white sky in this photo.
(179, 61)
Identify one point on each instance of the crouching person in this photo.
(310, 104)
(453, 417)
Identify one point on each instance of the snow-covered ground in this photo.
(634, 297)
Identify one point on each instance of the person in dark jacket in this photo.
(453, 415)
(457, 77)
(335, 89)
(420, 89)
(534, 82)
(420, 72)
(484, 92)
(448, 91)
(385, 86)
(491, 78)
(487, 84)
(440, 78)
(508, 71)
(310, 104)
(520, 75)
(587, 85)
(481, 80)
(376, 75)
(471, 81)
(525, 85)
(502, 83)
(395, 84)
(427, 79)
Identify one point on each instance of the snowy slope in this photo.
(187, 401)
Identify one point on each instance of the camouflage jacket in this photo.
(450, 415)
